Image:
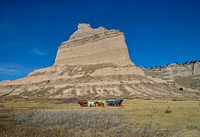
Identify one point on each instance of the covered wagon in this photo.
(114, 102)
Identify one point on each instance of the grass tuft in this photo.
(168, 111)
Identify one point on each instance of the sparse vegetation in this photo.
(136, 118)
(168, 111)
(180, 88)
(177, 63)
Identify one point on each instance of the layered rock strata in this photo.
(186, 74)
(93, 63)
(172, 71)
(93, 46)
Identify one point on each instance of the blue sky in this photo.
(157, 32)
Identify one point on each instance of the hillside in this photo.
(186, 74)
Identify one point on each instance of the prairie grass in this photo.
(136, 118)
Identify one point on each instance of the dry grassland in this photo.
(62, 118)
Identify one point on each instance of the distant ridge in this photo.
(186, 74)
(175, 63)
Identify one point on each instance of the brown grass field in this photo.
(65, 118)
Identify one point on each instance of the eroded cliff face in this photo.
(88, 81)
(93, 63)
(186, 74)
(93, 46)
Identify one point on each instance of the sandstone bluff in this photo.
(93, 63)
(93, 46)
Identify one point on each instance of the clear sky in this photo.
(157, 32)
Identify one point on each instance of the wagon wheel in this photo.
(117, 104)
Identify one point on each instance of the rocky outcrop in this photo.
(72, 81)
(186, 74)
(93, 63)
(93, 46)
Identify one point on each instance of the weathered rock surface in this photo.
(93, 46)
(186, 74)
(92, 63)
(82, 80)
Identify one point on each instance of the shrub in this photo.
(168, 111)
(180, 88)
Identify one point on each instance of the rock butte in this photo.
(93, 63)
(93, 46)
